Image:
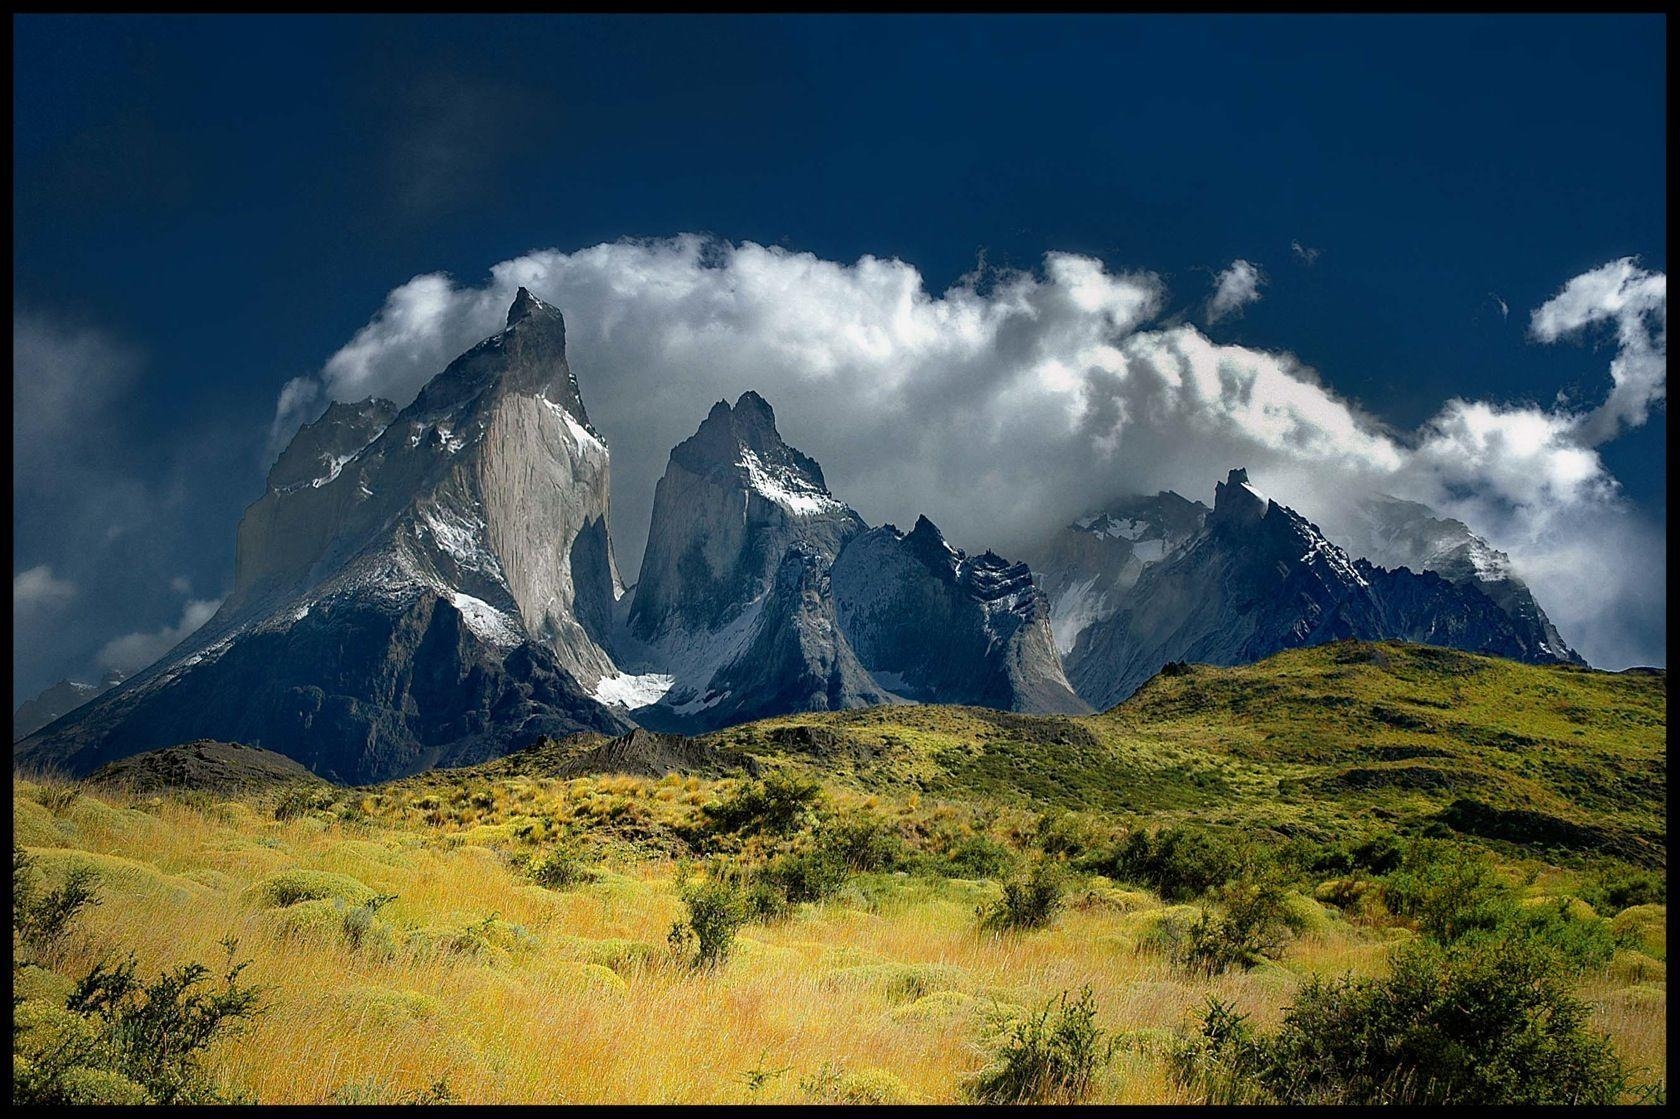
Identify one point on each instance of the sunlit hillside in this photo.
(893, 909)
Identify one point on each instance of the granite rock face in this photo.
(762, 593)
(419, 588)
(732, 617)
(1092, 564)
(934, 624)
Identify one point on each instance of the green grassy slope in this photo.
(1327, 741)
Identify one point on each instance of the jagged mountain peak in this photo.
(1236, 501)
(526, 305)
(928, 544)
(740, 448)
(321, 447)
(750, 425)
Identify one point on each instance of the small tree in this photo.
(716, 911)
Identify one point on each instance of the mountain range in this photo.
(435, 585)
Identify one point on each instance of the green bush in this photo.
(1254, 923)
(781, 804)
(1613, 889)
(1490, 1023)
(1449, 890)
(41, 920)
(1177, 863)
(1028, 902)
(861, 841)
(806, 875)
(980, 856)
(560, 868)
(1051, 1057)
(1377, 854)
(300, 800)
(118, 1040)
(1562, 926)
(717, 908)
(1069, 834)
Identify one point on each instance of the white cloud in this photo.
(1303, 253)
(1234, 289)
(1636, 301)
(38, 589)
(1009, 403)
(135, 651)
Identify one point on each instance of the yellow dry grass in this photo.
(893, 982)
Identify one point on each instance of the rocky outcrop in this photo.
(223, 768)
(934, 624)
(433, 587)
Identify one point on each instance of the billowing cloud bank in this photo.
(1014, 401)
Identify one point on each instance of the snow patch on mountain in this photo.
(628, 690)
(786, 488)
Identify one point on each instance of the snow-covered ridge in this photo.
(486, 621)
(583, 437)
(786, 488)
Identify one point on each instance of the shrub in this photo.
(1051, 1057)
(41, 920)
(361, 926)
(1375, 855)
(300, 800)
(1028, 902)
(980, 856)
(780, 804)
(861, 841)
(561, 868)
(119, 1040)
(1254, 923)
(1177, 863)
(1477, 1024)
(1449, 890)
(717, 909)
(1614, 889)
(1071, 834)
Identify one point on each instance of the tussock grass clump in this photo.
(834, 1084)
(902, 982)
(292, 886)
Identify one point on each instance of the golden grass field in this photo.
(512, 992)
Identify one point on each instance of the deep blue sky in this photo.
(232, 197)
